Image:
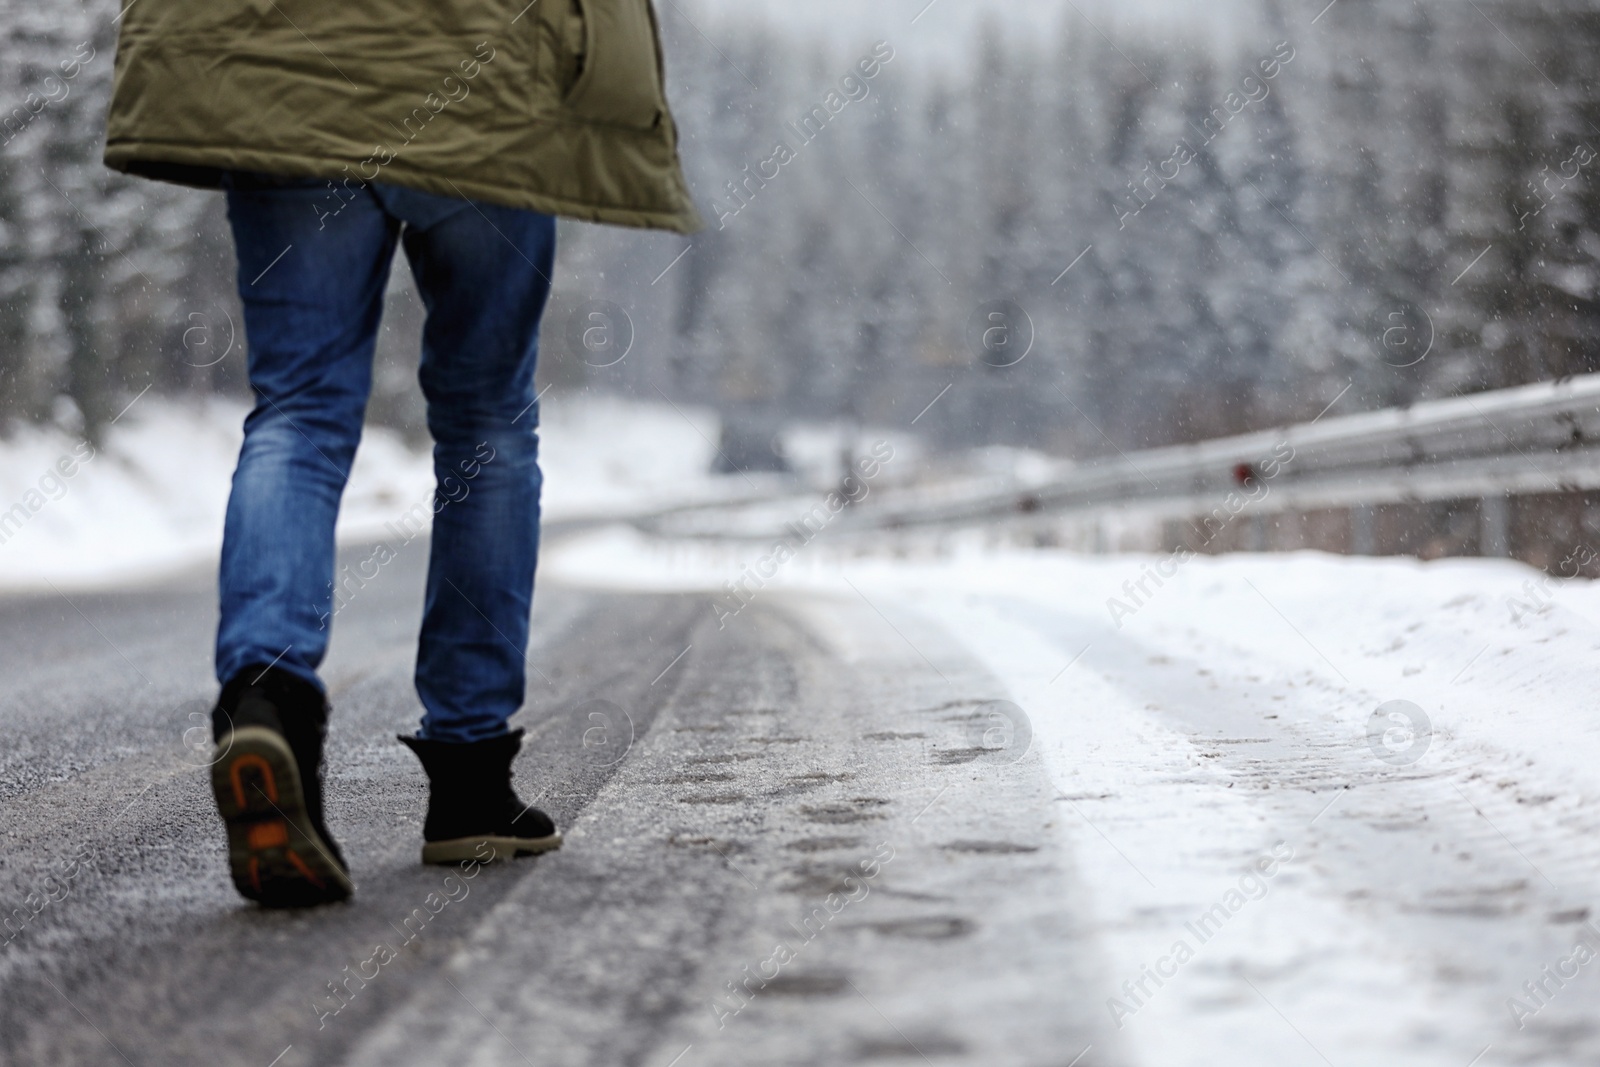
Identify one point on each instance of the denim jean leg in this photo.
(312, 282)
(484, 276)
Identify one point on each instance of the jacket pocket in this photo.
(619, 67)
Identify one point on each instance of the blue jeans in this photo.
(313, 266)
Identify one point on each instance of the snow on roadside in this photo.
(152, 499)
(1231, 714)
(606, 456)
(149, 500)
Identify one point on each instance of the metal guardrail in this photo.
(1537, 438)
(1540, 438)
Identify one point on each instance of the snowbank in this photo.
(153, 498)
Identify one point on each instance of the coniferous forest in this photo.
(1102, 235)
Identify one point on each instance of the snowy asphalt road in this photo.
(787, 843)
(716, 787)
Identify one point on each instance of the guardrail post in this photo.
(1363, 537)
(1256, 531)
(1494, 525)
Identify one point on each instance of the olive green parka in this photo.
(553, 105)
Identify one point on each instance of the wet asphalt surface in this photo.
(715, 785)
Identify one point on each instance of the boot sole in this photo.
(275, 856)
(459, 849)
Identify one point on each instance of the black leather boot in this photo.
(473, 811)
(269, 727)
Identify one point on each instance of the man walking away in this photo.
(456, 130)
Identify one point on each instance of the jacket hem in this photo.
(202, 167)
